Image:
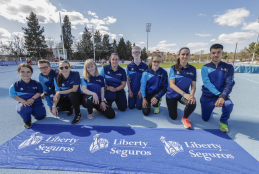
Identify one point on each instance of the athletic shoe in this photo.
(71, 112)
(186, 123)
(156, 110)
(223, 127)
(90, 116)
(77, 119)
(27, 124)
(95, 111)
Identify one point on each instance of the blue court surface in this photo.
(243, 126)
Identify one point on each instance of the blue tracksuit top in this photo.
(72, 79)
(112, 78)
(26, 90)
(135, 73)
(154, 83)
(47, 83)
(94, 84)
(183, 80)
(217, 79)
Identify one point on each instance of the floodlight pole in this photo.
(93, 41)
(235, 54)
(148, 27)
(255, 43)
(62, 38)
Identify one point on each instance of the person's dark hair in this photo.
(43, 61)
(177, 66)
(24, 65)
(216, 46)
(112, 55)
(154, 55)
(59, 77)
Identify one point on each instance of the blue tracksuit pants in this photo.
(119, 97)
(208, 104)
(37, 110)
(132, 101)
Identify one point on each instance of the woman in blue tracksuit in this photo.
(92, 85)
(68, 93)
(154, 82)
(115, 78)
(27, 92)
(181, 77)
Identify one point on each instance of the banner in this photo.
(11, 62)
(125, 150)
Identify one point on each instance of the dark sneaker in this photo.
(76, 119)
(27, 124)
(71, 112)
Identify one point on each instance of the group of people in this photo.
(64, 90)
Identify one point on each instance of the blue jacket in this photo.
(47, 83)
(135, 73)
(94, 84)
(154, 83)
(217, 79)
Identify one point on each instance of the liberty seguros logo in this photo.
(98, 144)
(171, 147)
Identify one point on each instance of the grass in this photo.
(168, 65)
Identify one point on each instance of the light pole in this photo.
(255, 43)
(93, 41)
(148, 28)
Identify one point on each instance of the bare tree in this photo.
(50, 42)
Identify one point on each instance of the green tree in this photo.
(121, 49)
(107, 47)
(86, 44)
(35, 43)
(144, 54)
(128, 51)
(98, 44)
(224, 56)
(114, 46)
(67, 36)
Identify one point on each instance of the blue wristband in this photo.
(183, 94)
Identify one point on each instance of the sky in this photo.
(196, 24)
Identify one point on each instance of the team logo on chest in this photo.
(177, 72)
(63, 84)
(141, 69)
(132, 69)
(21, 89)
(98, 80)
(34, 87)
(119, 74)
(190, 73)
(108, 72)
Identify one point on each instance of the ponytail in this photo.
(59, 79)
(150, 63)
(177, 66)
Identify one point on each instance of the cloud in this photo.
(141, 43)
(232, 38)
(198, 51)
(109, 20)
(74, 27)
(4, 34)
(202, 14)
(203, 35)
(92, 14)
(197, 44)
(163, 46)
(76, 18)
(253, 26)
(232, 17)
(120, 35)
(18, 10)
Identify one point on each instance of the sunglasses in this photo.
(136, 52)
(45, 67)
(61, 68)
(156, 61)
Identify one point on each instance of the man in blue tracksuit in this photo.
(218, 80)
(134, 73)
(46, 79)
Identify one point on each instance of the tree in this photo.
(114, 46)
(122, 51)
(67, 36)
(128, 51)
(224, 56)
(144, 54)
(98, 44)
(35, 43)
(107, 48)
(86, 44)
(50, 42)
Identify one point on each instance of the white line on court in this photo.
(246, 79)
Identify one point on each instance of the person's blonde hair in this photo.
(136, 48)
(86, 74)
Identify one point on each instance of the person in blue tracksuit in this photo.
(154, 82)
(27, 92)
(68, 93)
(181, 77)
(92, 85)
(134, 73)
(218, 80)
(46, 79)
(115, 79)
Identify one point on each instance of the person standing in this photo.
(115, 78)
(218, 80)
(154, 82)
(134, 73)
(27, 92)
(181, 77)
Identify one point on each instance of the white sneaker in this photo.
(90, 116)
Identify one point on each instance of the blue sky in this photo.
(175, 24)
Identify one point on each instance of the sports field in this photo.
(243, 123)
